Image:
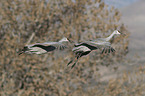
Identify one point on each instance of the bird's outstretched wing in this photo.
(48, 47)
(57, 45)
(43, 47)
(37, 48)
(90, 45)
(94, 44)
(40, 48)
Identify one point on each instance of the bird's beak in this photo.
(122, 33)
(70, 41)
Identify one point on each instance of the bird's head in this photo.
(64, 39)
(116, 32)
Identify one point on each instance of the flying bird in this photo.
(100, 43)
(41, 48)
(84, 48)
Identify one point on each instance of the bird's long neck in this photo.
(62, 41)
(108, 38)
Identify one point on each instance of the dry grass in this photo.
(50, 20)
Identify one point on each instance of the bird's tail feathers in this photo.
(108, 50)
(21, 52)
(112, 49)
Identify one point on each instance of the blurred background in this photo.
(25, 22)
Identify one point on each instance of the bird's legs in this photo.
(70, 61)
(74, 63)
(78, 56)
(73, 59)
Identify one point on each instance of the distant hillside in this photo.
(133, 17)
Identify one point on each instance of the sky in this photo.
(119, 3)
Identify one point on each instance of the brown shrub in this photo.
(51, 20)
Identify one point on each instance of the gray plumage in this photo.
(41, 48)
(99, 43)
(84, 48)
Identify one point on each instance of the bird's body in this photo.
(41, 48)
(94, 44)
(81, 51)
(86, 47)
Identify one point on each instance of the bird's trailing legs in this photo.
(75, 62)
(72, 60)
(77, 56)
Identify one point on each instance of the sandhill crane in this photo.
(40, 48)
(86, 47)
(100, 43)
